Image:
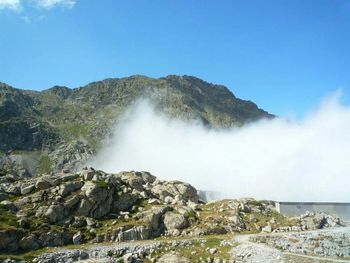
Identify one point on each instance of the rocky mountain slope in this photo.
(57, 128)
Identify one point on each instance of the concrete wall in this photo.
(297, 208)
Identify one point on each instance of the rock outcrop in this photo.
(90, 205)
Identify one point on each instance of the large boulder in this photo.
(55, 213)
(134, 180)
(187, 192)
(135, 233)
(14, 189)
(174, 220)
(77, 238)
(27, 189)
(318, 220)
(69, 187)
(238, 222)
(71, 202)
(44, 183)
(97, 200)
(154, 218)
(124, 202)
(180, 191)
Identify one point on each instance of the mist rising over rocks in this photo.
(274, 159)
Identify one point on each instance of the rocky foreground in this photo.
(135, 217)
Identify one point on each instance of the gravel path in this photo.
(253, 252)
(248, 251)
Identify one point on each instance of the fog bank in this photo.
(307, 160)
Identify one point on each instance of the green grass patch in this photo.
(45, 165)
(100, 183)
(70, 131)
(28, 256)
(198, 251)
(7, 219)
(254, 219)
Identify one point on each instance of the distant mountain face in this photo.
(34, 121)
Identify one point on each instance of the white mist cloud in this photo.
(48, 4)
(19, 5)
(14, 5)
(306, 160)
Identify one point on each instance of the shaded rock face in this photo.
(125, 202)
(97, 200)
(17, 240)
(25, 135)
(29, 243)
(55, 213)
(52, 239)
(9, 240)
(44, 183)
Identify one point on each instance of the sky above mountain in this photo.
(283, 55)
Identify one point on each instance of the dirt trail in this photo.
(251, 252)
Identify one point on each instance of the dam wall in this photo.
(297, 208)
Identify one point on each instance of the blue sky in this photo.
(283, 55)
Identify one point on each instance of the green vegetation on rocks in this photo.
(45, 165)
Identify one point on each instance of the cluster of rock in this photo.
(331, 243)
(70, 208)
(311, 221)
(132, 253)
(124, 252)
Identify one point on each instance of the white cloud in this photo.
(278, 159)
(19, 5)
(48, 4)
(14, 5)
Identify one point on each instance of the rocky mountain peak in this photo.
(60, 91)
